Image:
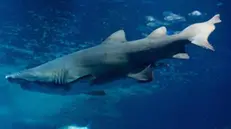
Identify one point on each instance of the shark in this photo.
(116, 57)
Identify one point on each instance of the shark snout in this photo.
(23, 77)
(10, 77)
(13, 78)
(18, 78)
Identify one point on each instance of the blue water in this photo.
(191, 94)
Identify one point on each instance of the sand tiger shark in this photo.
(116, 57)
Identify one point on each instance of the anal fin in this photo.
(181, 56)
(146, 75)
(96, 93)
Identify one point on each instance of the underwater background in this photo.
(188, 94)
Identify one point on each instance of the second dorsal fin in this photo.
(159, 32)
(118, 36)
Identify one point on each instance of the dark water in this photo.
(192, 94)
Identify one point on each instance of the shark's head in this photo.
(31, 82)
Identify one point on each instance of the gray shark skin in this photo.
(117, 58)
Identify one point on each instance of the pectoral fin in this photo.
(96, 93)
(146, 75)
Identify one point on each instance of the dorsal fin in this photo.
(159, 32)
(118, 36)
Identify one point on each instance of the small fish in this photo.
(74, 126)
(195, 13)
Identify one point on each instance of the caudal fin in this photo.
(198, 33)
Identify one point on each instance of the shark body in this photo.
(116, 57)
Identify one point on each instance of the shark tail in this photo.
(198, 33)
